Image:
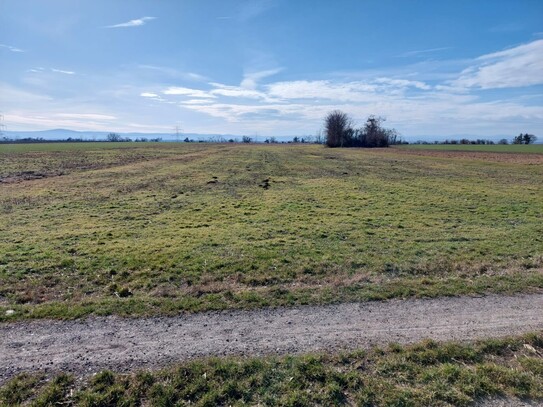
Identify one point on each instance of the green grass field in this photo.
(150, 229)
(425, 374)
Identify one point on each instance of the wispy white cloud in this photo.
(195, 93)
(240, 112)
(236, 92)
(22, 97)
(195, 76)
(515, 67)
(36, 70)
(41, 69)
(91, 116)
(299, 100)
(195, 102)
(63, 71)
(132, 23)
(11, 48)
(149, 95)
(413, 106)
(436, 114)
(251, 79)
(174, 73)
(47, 119)
(402, 83)
(421, 52)
(357, 91)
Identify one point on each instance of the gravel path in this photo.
(86, 346)
(507, 402)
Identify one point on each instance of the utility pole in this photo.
(178, 133)
(2, 126)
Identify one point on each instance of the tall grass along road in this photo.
(89, 345)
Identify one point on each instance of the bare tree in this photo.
(371, 134)
(114, 137)
(337, 127)
(319, 138)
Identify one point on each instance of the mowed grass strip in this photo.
(163, 228)
(425, 374)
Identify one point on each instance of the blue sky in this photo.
(272, 67)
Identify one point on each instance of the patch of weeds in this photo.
(427, 373)
(19, 389)
(57, 391)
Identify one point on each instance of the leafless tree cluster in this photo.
(340, 132)
(524, 139)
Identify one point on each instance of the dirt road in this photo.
(86, 346)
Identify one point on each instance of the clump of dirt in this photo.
(265, 183)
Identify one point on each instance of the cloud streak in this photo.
(251, 79)
(62, 71)
(173, 73)
(75, 121)
(132, 23)
(90, 116)
(182, 91)
(11, 48)
(422, 52)
(516, 67)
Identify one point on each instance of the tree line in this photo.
(117, 138)
(524, 139)
(520, 139)
(340, 132)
